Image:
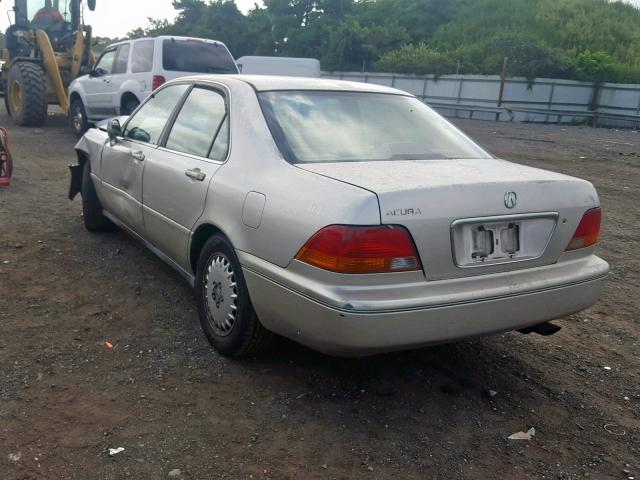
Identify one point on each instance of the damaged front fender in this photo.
(76, 181)
(88, 149)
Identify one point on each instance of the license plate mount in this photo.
(486, 241)
(495, 240)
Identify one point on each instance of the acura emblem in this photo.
(510, 199)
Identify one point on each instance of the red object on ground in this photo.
(6, 164)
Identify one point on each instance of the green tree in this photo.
(594, 66)
(419, 59)
(594, 40)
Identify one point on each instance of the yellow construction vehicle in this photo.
(46, 48)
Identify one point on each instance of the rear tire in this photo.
(227, 317)
(130, 107)
(94, 219)
(27, 94)
(78, 118)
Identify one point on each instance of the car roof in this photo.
(164, 37)
(265, 83)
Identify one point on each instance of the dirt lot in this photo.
(173, 403)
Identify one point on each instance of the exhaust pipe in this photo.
(545, 329)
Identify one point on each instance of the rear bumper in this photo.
(350, 332)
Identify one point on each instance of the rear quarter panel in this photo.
(297, 203)
(138, 84)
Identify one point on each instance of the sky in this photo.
(115, 18)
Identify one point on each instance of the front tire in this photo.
(78, 118)
(94, 219)
(27, 94)
(227, 317)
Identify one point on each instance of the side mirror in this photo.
(114, 130)
(91, 4)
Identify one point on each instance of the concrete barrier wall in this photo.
(542, 100)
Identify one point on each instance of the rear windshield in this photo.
(311, 126)
(196, 56)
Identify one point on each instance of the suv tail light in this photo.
(361, 249)
(588, 231)
(158, 80)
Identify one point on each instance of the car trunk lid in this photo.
(471, 217)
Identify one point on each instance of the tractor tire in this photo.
(27, 94)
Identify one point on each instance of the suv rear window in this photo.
(196, 56)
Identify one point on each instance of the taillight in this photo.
(158, 81)
(361, 249)
(588, 231)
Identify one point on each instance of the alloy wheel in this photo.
(221, 294)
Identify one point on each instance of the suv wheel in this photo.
(224, 307)
(78, 117)
(130, 107)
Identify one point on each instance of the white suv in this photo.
(127, 72)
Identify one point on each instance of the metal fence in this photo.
(542, 100)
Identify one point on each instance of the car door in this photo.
(98, 86)
(177, 175)
(119, 75)
(123, 161)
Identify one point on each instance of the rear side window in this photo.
(122, 59)
(198, 123)
(142, 61)
(196, 56)
(221, 145)
(148, 123)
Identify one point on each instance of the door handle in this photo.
(138, 155)
(196, 174)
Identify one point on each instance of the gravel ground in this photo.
(173, 403)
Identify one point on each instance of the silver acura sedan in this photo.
(348, 217)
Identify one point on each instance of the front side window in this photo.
(142, 61)
(311, 126)
(196, 56)
(149, 121)
(122, 59)
(105, 64)
(197, 125)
